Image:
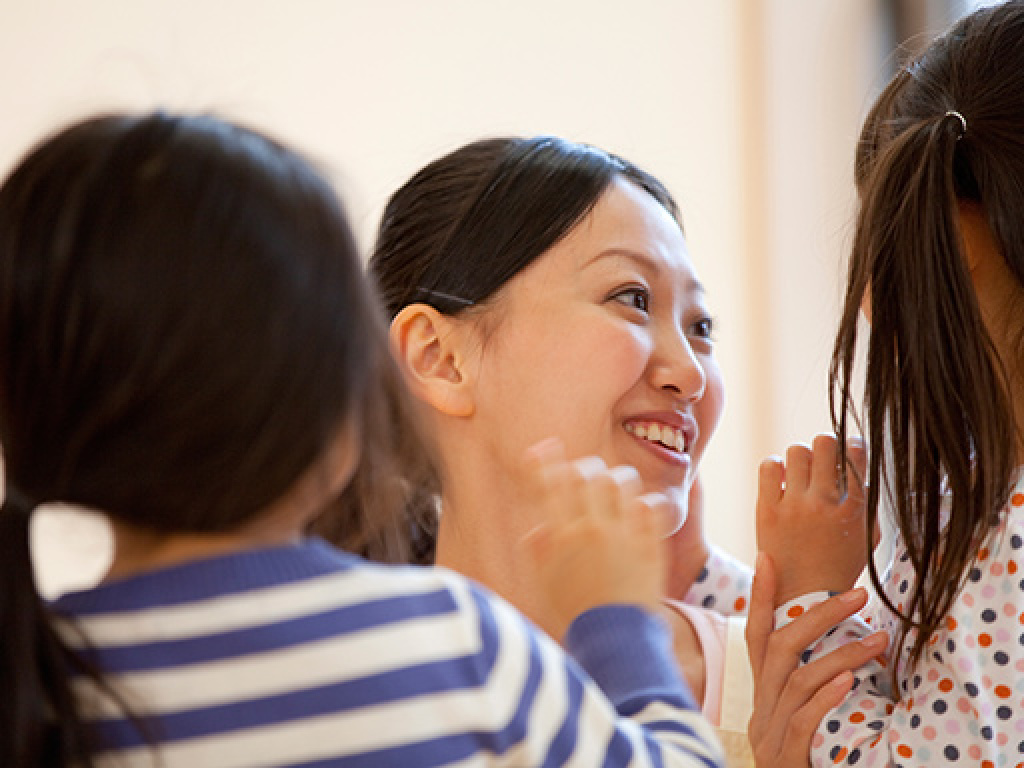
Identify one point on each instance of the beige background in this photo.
(747, 109)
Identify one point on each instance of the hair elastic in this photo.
(961, 118)
(19, 502)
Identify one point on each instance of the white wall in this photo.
(747, 109)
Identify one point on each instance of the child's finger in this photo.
(824, 466)
(770, 477)
(761, 616)
(649, 511)
(538, 459)
(594, 490)
(781, 652)
(628, 486)
(798, 467)
(790, 738)
(857, 468)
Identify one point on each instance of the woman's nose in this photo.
(677, 369)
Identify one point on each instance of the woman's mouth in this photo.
(662, 434)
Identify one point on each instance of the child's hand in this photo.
(600, 541)
(814, 536)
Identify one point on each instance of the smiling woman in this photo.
(579, 315)
(540, 288)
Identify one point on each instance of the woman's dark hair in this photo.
(468, 222)
(184, 330)
(936, 392)
(465, 224)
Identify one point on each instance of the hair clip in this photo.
(961, 118)
(446, 297)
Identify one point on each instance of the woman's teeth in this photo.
(663, 434)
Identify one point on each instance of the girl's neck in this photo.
(138, 549)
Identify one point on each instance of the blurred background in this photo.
(747, 109)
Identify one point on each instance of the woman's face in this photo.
(605, 341)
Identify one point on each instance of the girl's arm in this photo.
(962, 703)
(637, 713)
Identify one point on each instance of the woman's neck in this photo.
(479, 536)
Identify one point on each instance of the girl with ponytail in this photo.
(937, 270)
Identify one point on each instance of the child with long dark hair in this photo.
(937, 270)
(187, 345)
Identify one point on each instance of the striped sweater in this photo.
(305, 656)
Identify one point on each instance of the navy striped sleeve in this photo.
(565, 718)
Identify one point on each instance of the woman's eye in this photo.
(704, 328)
(635, 298)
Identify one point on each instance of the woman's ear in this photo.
(432, 351)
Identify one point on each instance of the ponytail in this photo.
(935, 389)
(40, 725)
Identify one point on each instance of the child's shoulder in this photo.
(418, 591)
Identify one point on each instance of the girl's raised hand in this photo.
(814, 534)
(599, 541)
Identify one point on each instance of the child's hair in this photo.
(468, 222)
(947, 129)
(184, 330)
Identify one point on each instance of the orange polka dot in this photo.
(1011, 567)
(945, 685)
(950, 623)
(987, 764)
(857, 717)
(904, 751)
(840, 756)
(1003, 692)
(1017, 499)
(740, 604)
(984, 640)
(983, 554)
(795, 611)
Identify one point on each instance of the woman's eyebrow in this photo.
(644, 261)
